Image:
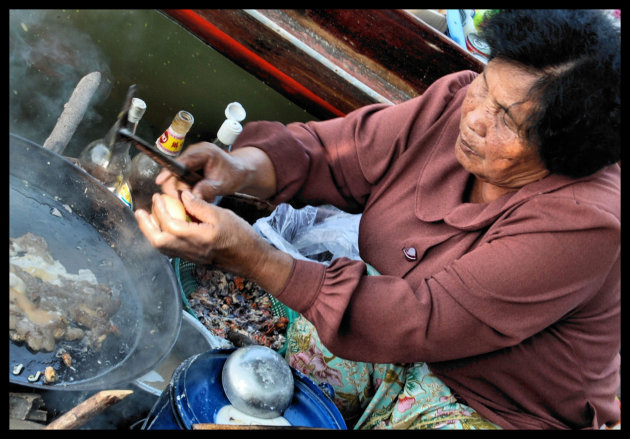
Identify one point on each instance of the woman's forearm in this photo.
(272, 269)
(259, 174)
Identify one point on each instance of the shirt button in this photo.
(410, 253)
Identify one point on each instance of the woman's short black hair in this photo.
(577, 121)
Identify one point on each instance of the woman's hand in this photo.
(222, 173)
(247, 170)
(220, 238)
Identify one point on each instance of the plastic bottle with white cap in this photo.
(231, 127)
(229, 130)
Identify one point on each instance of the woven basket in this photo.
(185, 272)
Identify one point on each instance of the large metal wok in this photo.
(86, 226)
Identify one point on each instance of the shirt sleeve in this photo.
(517, 283)
(338, 161)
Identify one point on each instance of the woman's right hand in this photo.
(247, 170)
(219, 237)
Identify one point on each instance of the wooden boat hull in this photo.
(331, 61)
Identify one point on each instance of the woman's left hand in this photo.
(220, 238)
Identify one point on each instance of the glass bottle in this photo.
(136, 111)
(107, 159)
(144, 169)
(172, 140)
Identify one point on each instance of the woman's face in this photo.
(489, 145)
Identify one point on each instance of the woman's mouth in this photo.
(466, 148)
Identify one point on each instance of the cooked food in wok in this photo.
(47, 304)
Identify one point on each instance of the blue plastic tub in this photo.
(195, 396)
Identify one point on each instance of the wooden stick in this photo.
(73, 112)
(89, 408)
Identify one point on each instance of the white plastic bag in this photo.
(319, 234)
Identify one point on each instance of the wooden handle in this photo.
(72, 114)
(89, 408)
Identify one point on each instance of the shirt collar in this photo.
(443, 181)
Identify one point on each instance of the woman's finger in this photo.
(205, 190)
(165, 221)
(172, 185)
(199, 208)
(163, 176)
(150, 228)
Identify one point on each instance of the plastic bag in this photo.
(319, 234)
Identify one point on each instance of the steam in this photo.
(47, 58)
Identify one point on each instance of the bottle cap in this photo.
(229, 131)
(235, 111)
(136, 111)
(182, 122)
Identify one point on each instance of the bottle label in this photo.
(124, 193)
(170, 142)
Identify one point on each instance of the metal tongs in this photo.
(181, 171)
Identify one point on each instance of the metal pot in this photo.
(193, 339)
(86, 226)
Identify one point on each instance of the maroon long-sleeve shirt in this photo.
(514, 304)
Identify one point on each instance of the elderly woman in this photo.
(491, 212)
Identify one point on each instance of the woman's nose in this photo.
(476, 119)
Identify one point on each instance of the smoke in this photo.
(47, 58)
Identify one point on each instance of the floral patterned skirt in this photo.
(379, 396)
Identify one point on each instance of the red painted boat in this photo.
(331, 61)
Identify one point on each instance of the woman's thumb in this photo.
(197, 209)
(205, 189)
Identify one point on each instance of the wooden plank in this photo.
(337, 68)
(398, 41)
